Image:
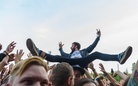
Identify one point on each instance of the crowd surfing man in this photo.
(84, 60)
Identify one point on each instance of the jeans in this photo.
(84, 61)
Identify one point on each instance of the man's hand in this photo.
(60, 45)
(98, 32)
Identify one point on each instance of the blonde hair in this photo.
(21, 66)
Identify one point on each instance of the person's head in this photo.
(85, 82)
(29, 72)
(75, 46)
(78, 72)
(62, 75)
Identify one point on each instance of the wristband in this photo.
(6, 53)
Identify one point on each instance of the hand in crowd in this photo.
(61, 45)
(11, 57)
(18, 56)
(91, 66)
(10, 47)
(102, 67)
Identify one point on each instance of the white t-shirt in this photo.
(76, 54)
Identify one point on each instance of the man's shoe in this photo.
(125, 55)
(32, 48)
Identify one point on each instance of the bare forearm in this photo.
(112, 80)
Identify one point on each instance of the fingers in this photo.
(29, 55)
(21, 53)
(97, 30)
(60, 44)
(0, 46)
(10, 47)
(12, 44)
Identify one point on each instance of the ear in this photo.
(69, 80)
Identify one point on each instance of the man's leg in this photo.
(121, 57)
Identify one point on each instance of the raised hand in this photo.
(60, 45)
(10, 47)
(18, 55)
(102, 67)
(91, 65)
(98, 32)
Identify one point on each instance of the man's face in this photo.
(34, 75)
(77, 75)
(72, 47)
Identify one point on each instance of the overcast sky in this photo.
(48, 22)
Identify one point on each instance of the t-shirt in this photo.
(76, 54)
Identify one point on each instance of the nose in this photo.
(37, 84)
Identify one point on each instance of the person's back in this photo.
(62, 75)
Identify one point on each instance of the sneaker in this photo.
(32, 48)
(125, 55)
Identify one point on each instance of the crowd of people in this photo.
(71, 69)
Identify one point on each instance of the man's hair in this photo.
(21, 66)
(77, 44)
(60, 74)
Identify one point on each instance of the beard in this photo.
(72, 50)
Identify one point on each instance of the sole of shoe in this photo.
(126, 55)
(30, 45)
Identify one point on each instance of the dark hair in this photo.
(83, 81)
(60, 74)
(77, 44)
